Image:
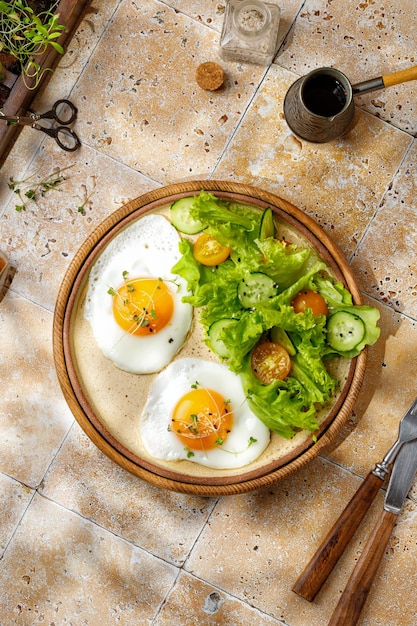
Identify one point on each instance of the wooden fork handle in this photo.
(354, 596)
(400, 77)
(336, 540)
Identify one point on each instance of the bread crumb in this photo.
(210, 76)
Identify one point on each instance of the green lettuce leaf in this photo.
(213, 211)
(285, 264)
(289, 405)
(282, 406)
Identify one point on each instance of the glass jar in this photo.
(250, 31)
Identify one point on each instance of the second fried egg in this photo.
(197, 411)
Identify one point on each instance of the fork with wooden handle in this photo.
(336, 540)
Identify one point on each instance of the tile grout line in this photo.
(182, 567)
(234, 597)
(390, 308)
(384, 194)
(179, 568)
(39, 491)
(261, 82)
(103, 32)
(35, 490)
(240, 122)
(17, 525)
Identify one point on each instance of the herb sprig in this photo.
(31, 190)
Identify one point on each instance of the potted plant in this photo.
(25, 35)
(36, 38)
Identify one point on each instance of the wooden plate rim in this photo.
(66, 376)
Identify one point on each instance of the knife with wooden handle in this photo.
(338, 537)
(354, 596)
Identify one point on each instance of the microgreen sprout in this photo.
(141, 314)
(86, 199)
(30, 190)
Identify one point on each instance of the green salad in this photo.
(270, 308)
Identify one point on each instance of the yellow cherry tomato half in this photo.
(208, 251)
(270, 361)
(308, 299)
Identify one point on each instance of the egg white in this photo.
(175, 381)
(146, 248)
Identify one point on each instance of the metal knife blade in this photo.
(402, 477)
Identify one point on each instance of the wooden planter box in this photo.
(20, 96)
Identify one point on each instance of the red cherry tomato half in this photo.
(308, 299)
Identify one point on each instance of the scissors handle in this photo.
(65, 137)
(63, 112)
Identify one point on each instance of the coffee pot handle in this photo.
(400, 77)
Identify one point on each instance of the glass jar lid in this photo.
(251, 19)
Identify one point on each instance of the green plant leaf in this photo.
(14, 16)
(57, 46)
(23, 34)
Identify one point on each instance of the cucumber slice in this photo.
(345, 331)
(216, 343)
(256, 288)
(267, 228)
(181, 218)
(278, 335)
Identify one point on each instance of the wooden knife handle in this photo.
(359, 584)
(336, 540)
(400, 77)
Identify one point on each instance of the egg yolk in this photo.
(142, 306)
(202, 419)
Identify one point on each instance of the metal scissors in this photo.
(63, 112)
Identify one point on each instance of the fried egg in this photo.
(197, 411)
(133, 302)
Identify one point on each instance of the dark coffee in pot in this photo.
(324, 95)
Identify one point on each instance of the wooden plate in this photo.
(78, 359)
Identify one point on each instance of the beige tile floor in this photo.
(83, 542)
